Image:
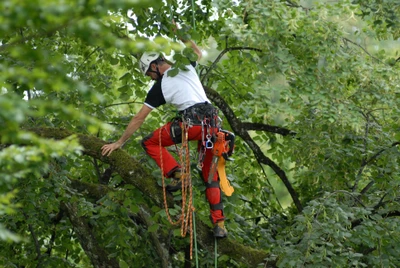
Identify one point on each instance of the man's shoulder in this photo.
(156, 85)
(175, 72)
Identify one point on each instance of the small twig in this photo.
(269, 183)
(55, 220)
(291, 4)
(380, 203)
(51, 242)
(366, 161)
(380, 152)
(37, 246)
(350, 194)
(122, 103)
(87, 57)
(366, 188)
(366, 51)
(248, 201)
(363, 165)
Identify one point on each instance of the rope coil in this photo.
(187, 209)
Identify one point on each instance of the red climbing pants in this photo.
(152, 145)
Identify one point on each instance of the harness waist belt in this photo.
(200, 112)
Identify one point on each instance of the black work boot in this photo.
(176, 183)
(219, 230)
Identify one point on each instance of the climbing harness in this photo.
(221, 142)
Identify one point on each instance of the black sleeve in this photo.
(154, 97)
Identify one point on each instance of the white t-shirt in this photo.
(183, 90)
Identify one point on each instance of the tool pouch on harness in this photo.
(176, 131)
(230, 139)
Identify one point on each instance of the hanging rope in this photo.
(187, 209)
(193, 19)
(186, 219)
(215, 253)
(195, 239)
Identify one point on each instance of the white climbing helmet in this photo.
(146, 59)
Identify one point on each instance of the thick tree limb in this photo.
(133, 173)
(127, 167)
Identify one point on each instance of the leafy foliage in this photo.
(311, 91)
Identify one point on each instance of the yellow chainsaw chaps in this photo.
(226, 187)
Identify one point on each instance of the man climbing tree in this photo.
(197, 119)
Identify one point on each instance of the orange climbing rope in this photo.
(186, 218)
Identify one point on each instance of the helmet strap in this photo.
(157, 71)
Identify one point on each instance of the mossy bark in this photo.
(133, 173)
(88, 241)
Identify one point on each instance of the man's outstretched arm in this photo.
(133, 125)
(195, 48)
(189, 43)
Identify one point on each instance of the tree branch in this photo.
(96, 191)
(122, 103)
(128, 168)
(366, 188)
(268, 128)
(133, 173)
(366, 51)
(291, 4)
(97, 255)
(87, 57)
(37, 246)
(394, 213)
(372, 158)
(241, 131)
(23, 39)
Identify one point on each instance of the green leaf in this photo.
(115, 61)
(173, 72)
(123, 264)
(153, 228)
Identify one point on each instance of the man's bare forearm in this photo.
(134, 124)
(130, 129)
(195, 48)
